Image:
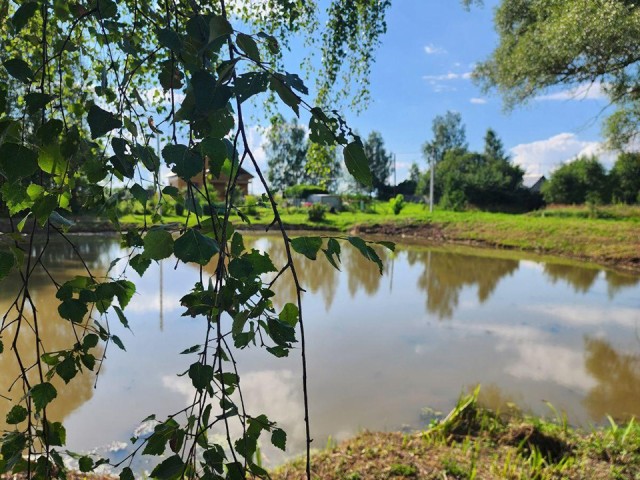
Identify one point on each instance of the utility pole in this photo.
(395, 180)
(432, 168)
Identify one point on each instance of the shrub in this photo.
(317, 212)
(251, 205)
(303, 191)
(397, 204)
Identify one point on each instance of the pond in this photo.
(384, 352)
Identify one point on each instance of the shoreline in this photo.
(433, 232)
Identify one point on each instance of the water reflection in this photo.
(444, 275)
(55, 333)
(377, 356)
(618, 377)
(581, 279)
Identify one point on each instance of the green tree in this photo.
(467, 178)
(414, 172)
(286, 151)
(625, 178)
(493, 147)
(546, 43)
(449, 133)
(323, 166)
(380, 161)
(575, 182)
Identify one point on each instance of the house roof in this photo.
(241, 172)
(531, 180)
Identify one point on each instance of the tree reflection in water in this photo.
(56, 334)
(581, 279)
(618, 377)
(445, 274)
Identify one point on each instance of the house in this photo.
(534, 182)
(220, 183)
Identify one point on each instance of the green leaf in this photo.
(17, 161)
(90, 341)
(140, 194)
(171, 468)
(127, 474)
(168, 38)
(73, 310)
(195, 247)
(186, 163)
(307, 246)
(200, 375)
(366, 251)
(237, 245)
(158, 244)
(140, 263)
(17, 414)
(319, 132)
(279, 438)
(66, 369)
(118, 342)
(23, 15)
(290, 314)
(50, 160)
(43, 394)
(124, 290)
(216, 150)
(271, 41)
(388, 245)
(56, 434)
(249, 46)
(50, 131)
(121, 317)
(101, 121)
(285, 94)
(194, 349)
(357, 163)
(218, 27)
(44, 207)
(333, 250)
(36, 101)
(250, 84)
(7, 262)
(85, 464)
(19, 69)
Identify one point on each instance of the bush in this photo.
(397, 204)
(317, 212)
(251, 205)
(303, 191)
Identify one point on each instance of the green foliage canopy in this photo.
(545, 43)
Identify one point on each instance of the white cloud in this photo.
(478, 101)
(447, 76)
(441, 83)
(590, 91)
(432, 49)
(543, 156)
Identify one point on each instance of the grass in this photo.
(610, 236)
(476, 443)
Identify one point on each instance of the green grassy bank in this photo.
(475, 443)
(605, 235)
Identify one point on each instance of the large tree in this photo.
(286, 151)
(625, 178)
(449, 133)
(569, 43)
(578, 181)
(380, 160)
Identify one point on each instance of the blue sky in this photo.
(422, 70)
